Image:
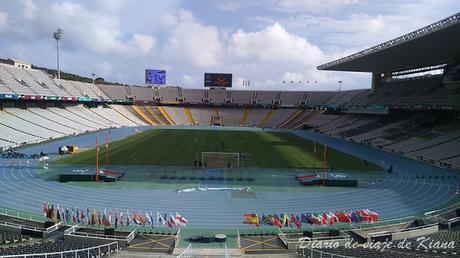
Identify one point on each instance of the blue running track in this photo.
(399, 194)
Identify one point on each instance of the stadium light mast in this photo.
(57, 36)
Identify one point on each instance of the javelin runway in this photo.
(400, 194)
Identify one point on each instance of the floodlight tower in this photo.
(57, 36)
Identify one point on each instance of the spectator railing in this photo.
(109, 246)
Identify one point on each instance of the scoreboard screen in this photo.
(153, 76)
(223, 80)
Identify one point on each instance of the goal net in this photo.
(221, 159)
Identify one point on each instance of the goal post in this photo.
(221, 159)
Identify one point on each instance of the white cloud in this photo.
(3, 21)
(293, 76)
(98, 32)
(192, 43)
(229, 6)
(188, 80)
(143, 43)
(109, 6)
(275, 44)
(265, 41)
(29, 9)
(103, 69)
(313, 6)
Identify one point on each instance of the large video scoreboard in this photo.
(155, 77)
(221, 80)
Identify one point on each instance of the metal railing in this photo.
(132, 235)
(54, 227)
(187, 253)
(19, 226)
(312, 253)
(177, 239)
(20, 215)
(76, 253)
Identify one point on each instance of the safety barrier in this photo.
(76, 253)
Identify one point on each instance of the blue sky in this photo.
(264, 41)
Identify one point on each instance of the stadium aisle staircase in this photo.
(79, 113)
(267, 118)
(245, 117)
(141, 114)
(166, 115)
(289, 119)
(148, 112)
(156, 113)
(189, 116)
(123, 115)
(305, 119)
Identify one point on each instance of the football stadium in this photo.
(98, 169)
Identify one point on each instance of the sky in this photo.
(267, 42)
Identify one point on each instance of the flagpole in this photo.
(314, 157)
(106, 151)
(97, 160)
(324, 164)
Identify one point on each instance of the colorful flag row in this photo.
(92, 217)
(326, 218)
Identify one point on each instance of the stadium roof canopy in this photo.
(434, 44)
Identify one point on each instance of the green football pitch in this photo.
(176, 147)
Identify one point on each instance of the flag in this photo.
(323, 217)
(304, 218)
(334, 218)
(74, 219)
(99, 221)
(116, 218)
(313, 219)
(251, 219)
(77, 215)
(181, 219)
(52, 212)
(82, 215)
(93, 217)
(298, 222)
(88, 216)
(161, 219)
(62, 213)
(45, 210)
(148, 220)
(104, 218)
(110, 218)
(277, 221)
(374, 216)
(67, 214)
(265, 220)
(287, 220)
(135, 219)
(141, 219)
(343, 217)
(171, 221)
(151, 219)
(355, 217)
(58, 213)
